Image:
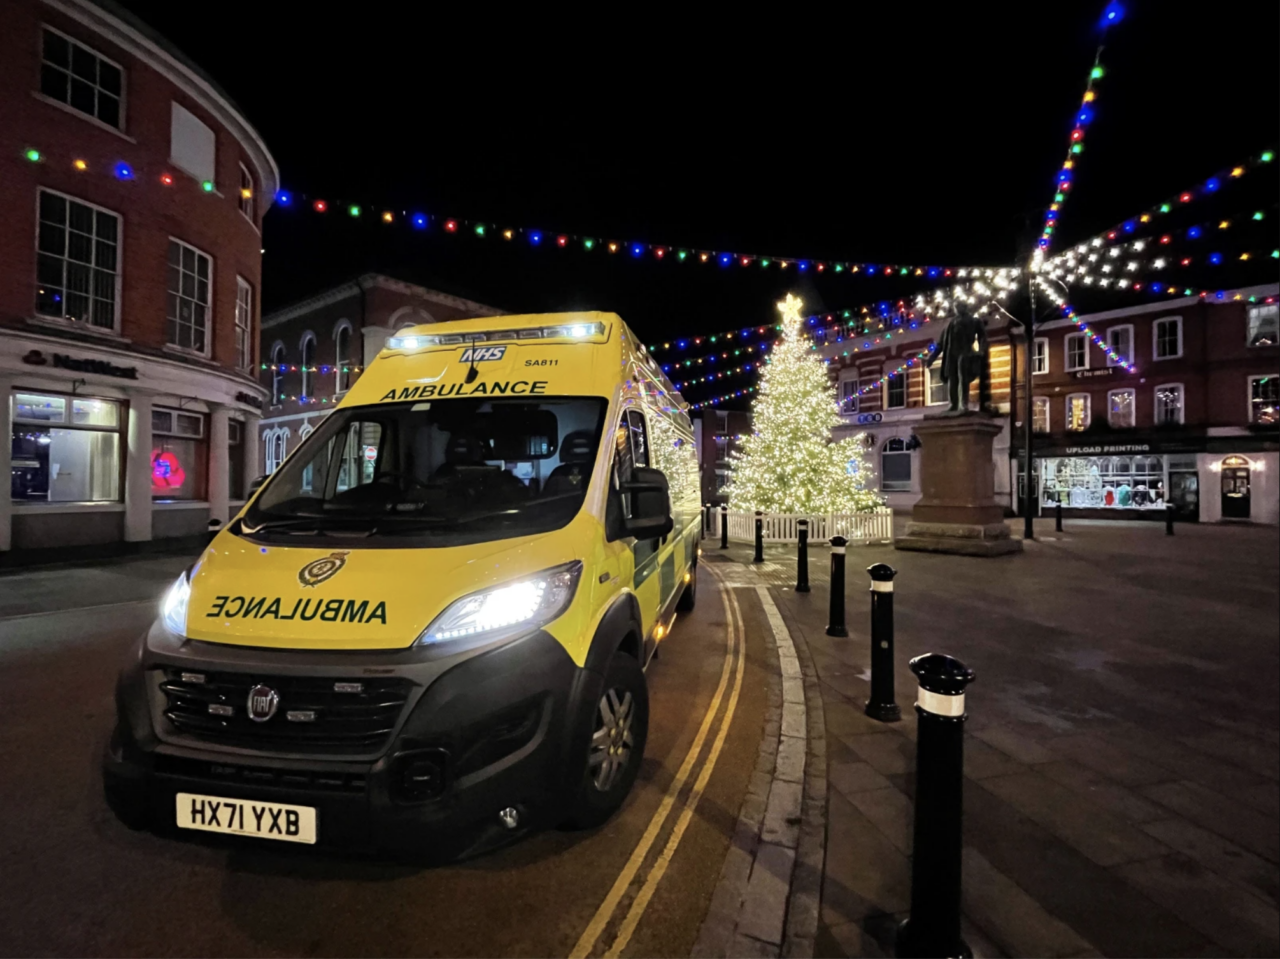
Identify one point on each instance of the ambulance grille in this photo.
(313, 714)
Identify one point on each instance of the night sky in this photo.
(911, 132)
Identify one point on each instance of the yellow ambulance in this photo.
(427, 631)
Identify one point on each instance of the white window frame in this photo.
(1124, 359)
(1248, 396)
(1041, 403)
(1040, 351)
(93, 117)
(1248, 322)
(211, 175)
(885, 451)
(276, 443)
(1133, 408)
(277, 374)
(1088, 412)
(307, 377)
(248, 203)
(209, 325)
(341, 327)
(1155, 338)
(929, 373)
(244, 323)
(119, 291)
(884, 395)
(1155, 404)
(1066, 351)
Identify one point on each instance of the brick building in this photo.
(130, 264)
(315, 349)
(716, 434)
(1197, 423)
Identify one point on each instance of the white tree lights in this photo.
(789, 463)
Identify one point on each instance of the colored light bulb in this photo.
(207, 186)
(588, 244)
(419, 221)
(166, 179)
(387, 216)
(451, 226)
(123, 171)
(353, 210)
(80, 165)
(284, 197)
(34, 156)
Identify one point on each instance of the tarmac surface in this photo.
(74, 881)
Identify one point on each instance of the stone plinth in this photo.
(957, 511)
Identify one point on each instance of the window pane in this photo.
(175, 259)
(56, 49)
(82, 96)
(175, 468)
(54, 83)
(52, 207)
(42, 409)
(53, 239)
(79, 247)
(95, 413)
(84, 64)
(65, 466)
(109, 78)
(109, 109)
(49, 270)
(104, 314)
(49, 300)
(1121, 408)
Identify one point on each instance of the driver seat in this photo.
(576, 455)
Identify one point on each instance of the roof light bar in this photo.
(572, 331)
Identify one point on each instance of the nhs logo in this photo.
(479, 354)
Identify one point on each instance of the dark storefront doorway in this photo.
(1235, 488)
(1184, 493)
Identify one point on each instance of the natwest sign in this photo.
(76, 364)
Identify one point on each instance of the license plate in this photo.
(246, 817)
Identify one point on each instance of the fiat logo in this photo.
(263, 701)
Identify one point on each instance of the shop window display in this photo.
(65, 449)
(1104, 482)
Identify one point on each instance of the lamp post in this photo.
(1028, 523)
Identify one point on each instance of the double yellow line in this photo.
(734, 651)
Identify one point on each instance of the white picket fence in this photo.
(860, 529)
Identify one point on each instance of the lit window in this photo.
(192, 145)
(895, 466)
(1168, 405)
(77, 267)
(1264, 325)
(936, 385)
(244, 324)
(895, 392)
(187, 305)
(1078, 411)
(1040, 414)
(1120, 408)
(1120, 339)
(1040, 358)
(65, 449)
(84, 80)
(246, 192)
(307, 366)
(1167, 335)
(1264, 400)
(277, 375)
(1077, 351)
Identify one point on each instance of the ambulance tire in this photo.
(689, 598)
(619, 744)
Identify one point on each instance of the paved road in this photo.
(73, 881)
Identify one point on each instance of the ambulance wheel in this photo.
(615, 745)
(689, 597)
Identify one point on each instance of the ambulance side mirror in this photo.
(256, 484)
(650, 504)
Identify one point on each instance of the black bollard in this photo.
(933, 928)
(759, 556)
(706, 520)
(836, 625)
(724, 527)
(1057, 517)
(881, 705)
(802, 556)
(1168, 519)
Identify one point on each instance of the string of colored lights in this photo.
(877, 384)
(712, 357)
(1092, 251)
(1158, 264)
(1069, 312)
(719, 375)
(1208, 188)
(720, 399)
(289, 368)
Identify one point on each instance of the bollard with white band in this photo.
(881, 705)
(724, 527)
(802, 556)
(933, 928)
(759, 556)
(836, 625)
(706, 520)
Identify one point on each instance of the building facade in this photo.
(130, 266)
(314, 350)
(716, 434)
(1196, 424)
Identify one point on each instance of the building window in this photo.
(275, 443)
(1040, 414)
(1168, 411)
(246, 193)
(895, 391)
(935, 386)
(1120, 408)
(1167, 337)
(1264, 324)
(1264, 400)
(1120, 339)
(895, 466)
(1115, 482)
(179, 455)
(1040, 358)
(235, 460)
(277, 375)
(342, 361)
(77, 263)
(192, 145)
(849, 395)
(1078, 411)
(187, 305)
(308, 365)
(244, 324)
(65, 449)
(84, 80)
(1077, 351)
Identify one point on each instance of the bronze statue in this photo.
(966, 356)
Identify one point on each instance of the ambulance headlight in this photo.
(518, 606)
(173, 608)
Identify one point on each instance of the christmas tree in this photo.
(789, 464)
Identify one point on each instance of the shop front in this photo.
(108, 446)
